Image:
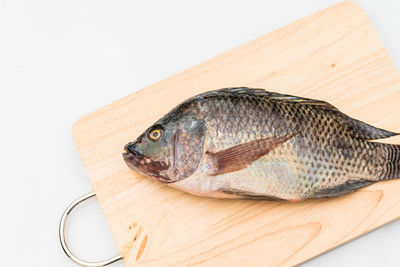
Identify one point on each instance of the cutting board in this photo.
(334, 55)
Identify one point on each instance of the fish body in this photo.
(251, 143)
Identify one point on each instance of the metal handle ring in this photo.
(61, 233)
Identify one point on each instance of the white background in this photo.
(62, 59)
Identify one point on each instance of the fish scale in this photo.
(312, 171)
(265, 145)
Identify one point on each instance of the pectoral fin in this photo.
(240, 156)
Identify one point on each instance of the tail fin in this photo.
(393, 162)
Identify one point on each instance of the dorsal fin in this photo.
(318, 104)
(364, 131)
(356, 128)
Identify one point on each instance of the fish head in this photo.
(168, 151)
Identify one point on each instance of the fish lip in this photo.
(133, 150)
(131, 160)
(129, 156)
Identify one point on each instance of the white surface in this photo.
(62, 59)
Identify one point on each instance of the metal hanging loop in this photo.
(61, 233)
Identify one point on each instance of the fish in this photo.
(255, 144)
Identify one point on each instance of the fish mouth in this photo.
(145, 166)
(132, 157)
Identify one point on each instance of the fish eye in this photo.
(155, 134)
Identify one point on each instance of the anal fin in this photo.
(341, 189)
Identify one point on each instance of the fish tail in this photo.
(392, 168)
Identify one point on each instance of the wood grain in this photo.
(333, 55)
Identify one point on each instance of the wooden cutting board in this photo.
(333, 55)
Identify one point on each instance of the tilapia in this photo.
(251, 143)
